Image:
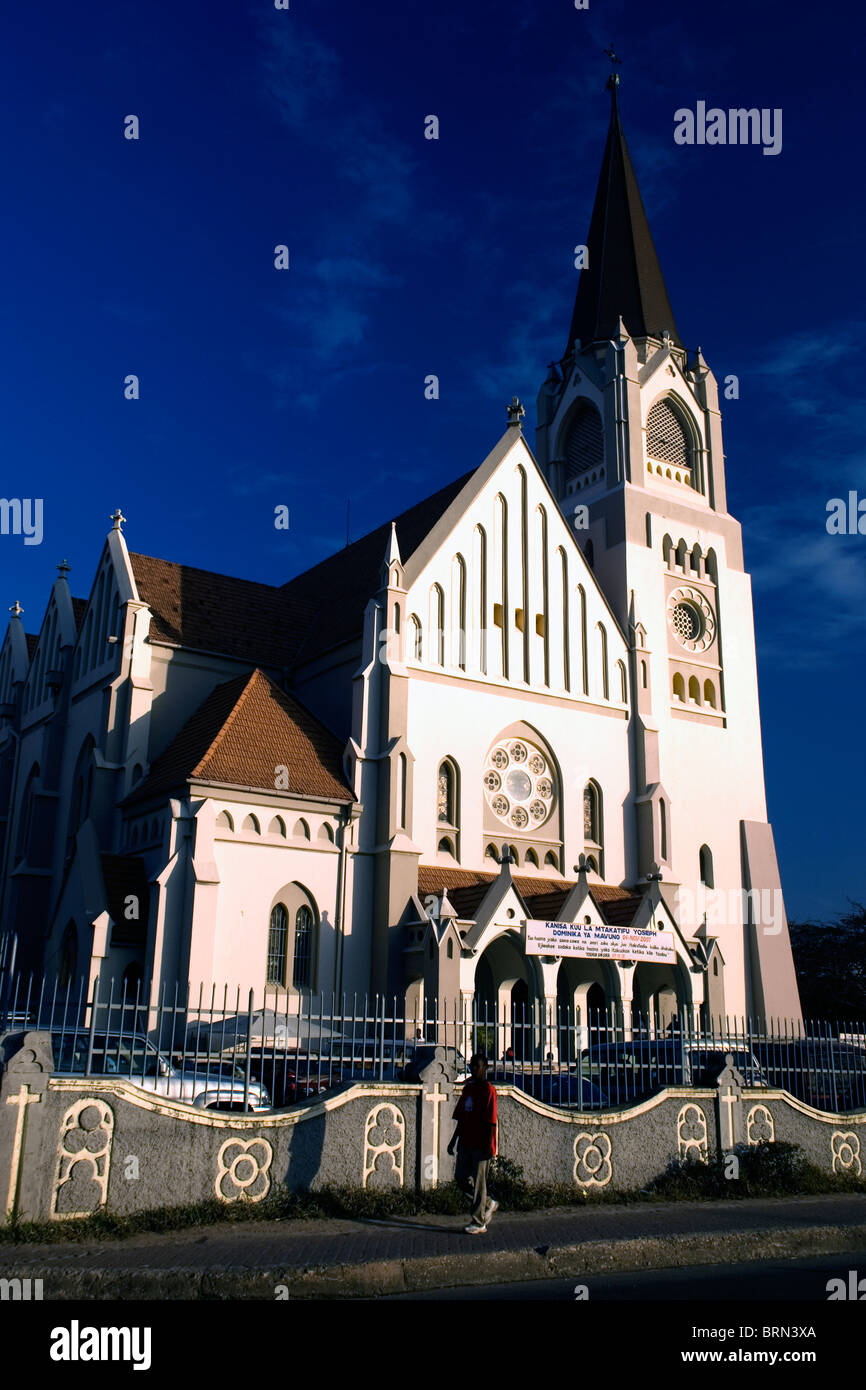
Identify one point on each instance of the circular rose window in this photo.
(518, 784)
(692, 620)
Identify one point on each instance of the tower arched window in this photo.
(584, 443)
(303, 954)
(706, 867)
(417, 646)
(401, 791)
(663, 830)
(669, 439)
(278, 938)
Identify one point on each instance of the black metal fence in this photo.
(226, 1051)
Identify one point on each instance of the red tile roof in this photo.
(240, 735)
(217, 613)
(336, 591)
(543, 897)
(275, 627)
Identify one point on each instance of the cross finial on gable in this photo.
(118, 518)
(516, 412)
(63, 568)
(16, 610)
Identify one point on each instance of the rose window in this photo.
(692, 620)
(686, 622)
(519, 784)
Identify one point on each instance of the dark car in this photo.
(639, 1068)
(824, 1072)
(563, 1089)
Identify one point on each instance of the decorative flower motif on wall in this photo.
(243, 1170)
(385, 1146)
(592, 1162)
(83, 1159)
(692, 1133)
(760, 1126)
(846, 1153)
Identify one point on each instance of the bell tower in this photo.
(630, 439)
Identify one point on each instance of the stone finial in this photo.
(118, 518)
(16, 610)
(63, 569)
(516, 412)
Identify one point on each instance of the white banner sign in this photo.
(599, 943)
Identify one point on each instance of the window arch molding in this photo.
(292, 941)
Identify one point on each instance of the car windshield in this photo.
(113, 1055)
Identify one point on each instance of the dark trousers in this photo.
(471, 1177)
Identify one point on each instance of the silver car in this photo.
(134, 1057)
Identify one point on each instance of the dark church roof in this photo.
(622, 276)
(337, 590)
(277, 627)
(245, 729)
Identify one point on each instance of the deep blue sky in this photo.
(409, 257)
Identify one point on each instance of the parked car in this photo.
(643, 1066)
(825, 1072)
(564, 1089)
(130, 1055)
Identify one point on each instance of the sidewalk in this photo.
(346, 1259)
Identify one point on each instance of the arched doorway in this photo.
(521, 1021)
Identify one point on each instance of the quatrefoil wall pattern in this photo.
(692, 1133)
(845, 1149)
(385, 1147)
(760, 1126)
(243, 1170)
(83, 1159)
(592, 1162)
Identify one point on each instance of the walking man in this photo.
(475, 1137)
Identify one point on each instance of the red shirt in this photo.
(476, 1111)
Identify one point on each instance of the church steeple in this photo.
(622, 277)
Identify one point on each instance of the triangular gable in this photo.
(473, 505)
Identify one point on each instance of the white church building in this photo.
(530, 697)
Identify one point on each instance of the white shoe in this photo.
(473, 1229)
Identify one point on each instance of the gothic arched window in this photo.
(303, 948)
(417, 646)
(706, 865)
(584, 443)
(669, 441)
(591, 817)
(447, 815)
(278, 937)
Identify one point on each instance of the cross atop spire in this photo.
(516, 412)
(63, 568)
(622, 276)
(16, 610)
(118, 518)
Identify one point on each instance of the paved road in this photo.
(771, 1282)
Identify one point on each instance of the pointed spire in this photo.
(622, 279)
(393, 551)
